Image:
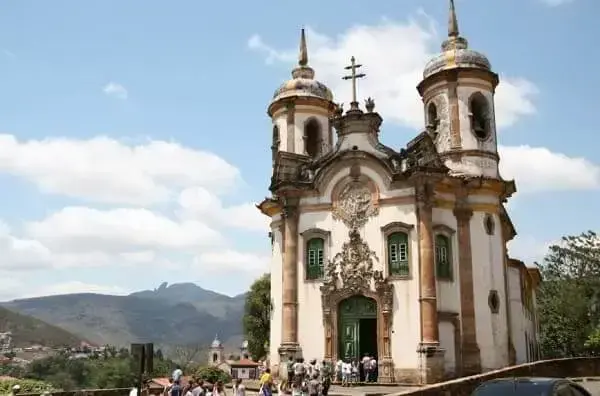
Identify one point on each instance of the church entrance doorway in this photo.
(357, 328)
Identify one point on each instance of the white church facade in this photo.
(399, 254)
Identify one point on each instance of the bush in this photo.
(212, 375)
(27, 386)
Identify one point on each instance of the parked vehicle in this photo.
(526, 386)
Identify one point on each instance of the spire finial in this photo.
(303, 55)
(303, 70)
(453, 21)
(454, 40)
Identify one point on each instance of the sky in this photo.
(134, 139)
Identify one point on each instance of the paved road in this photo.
(592, 385)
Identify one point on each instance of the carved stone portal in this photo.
(351, 272)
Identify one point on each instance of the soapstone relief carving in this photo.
(355, 205)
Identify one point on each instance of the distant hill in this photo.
(178, 314)
(27, 331)
(217, 304)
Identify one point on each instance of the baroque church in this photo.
(400, 254)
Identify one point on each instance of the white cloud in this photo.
(537, 169)
(228, 260)
(102, 169)
(528, 249)
(393, 55)
(108, 171)
(14, 288)
(119, 230)
(115, 90)
(199, 203)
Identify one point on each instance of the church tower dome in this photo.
(458, 90)
(300, 111)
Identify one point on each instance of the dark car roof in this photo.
(518, 386)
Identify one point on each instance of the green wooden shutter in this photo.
(443, 257)
(315, 258)
(398, 254)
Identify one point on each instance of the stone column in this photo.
(428, 298)
(512, 354)
(471, 356)
(431, 356)
(289, 338)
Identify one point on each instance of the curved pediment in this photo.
(325, 174)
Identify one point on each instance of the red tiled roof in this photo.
(244, 362)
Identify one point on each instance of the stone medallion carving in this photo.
(355, 205)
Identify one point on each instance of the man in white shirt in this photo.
(346, 373)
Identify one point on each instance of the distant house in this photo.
(244, 369)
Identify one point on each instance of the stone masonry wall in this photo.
(571, 367)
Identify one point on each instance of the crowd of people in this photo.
(314, 378)
(303, 378)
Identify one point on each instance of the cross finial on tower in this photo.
(353, 76)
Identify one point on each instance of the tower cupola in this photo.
(300, 111)
(458, 90)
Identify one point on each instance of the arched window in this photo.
(397, 251)
(312, 137)
(215, 357)
(315, 251)
(276, 140)
(432, 117)
(443, 257)
(479, 112)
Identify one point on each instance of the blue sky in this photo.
(135, 137)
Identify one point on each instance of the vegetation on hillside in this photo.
(257, 317)
(28, 331)
(112, 368)
(569, 297)
(120, 320)
(27, 386)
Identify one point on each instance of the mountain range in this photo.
(177, 314)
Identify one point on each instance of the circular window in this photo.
(489, 224)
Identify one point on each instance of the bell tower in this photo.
(458, 89)
(300, 112)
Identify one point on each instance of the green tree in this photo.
(212, 374)
(568, 296)
(257, 316)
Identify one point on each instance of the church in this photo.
(400, 254)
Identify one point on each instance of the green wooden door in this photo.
(349, 338)
(351, 311)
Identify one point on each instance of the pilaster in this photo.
(471, 355)
(289, 340)
(431, 356)
(291, 127)
(454, 113)
(428, 297)
(512, 354)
